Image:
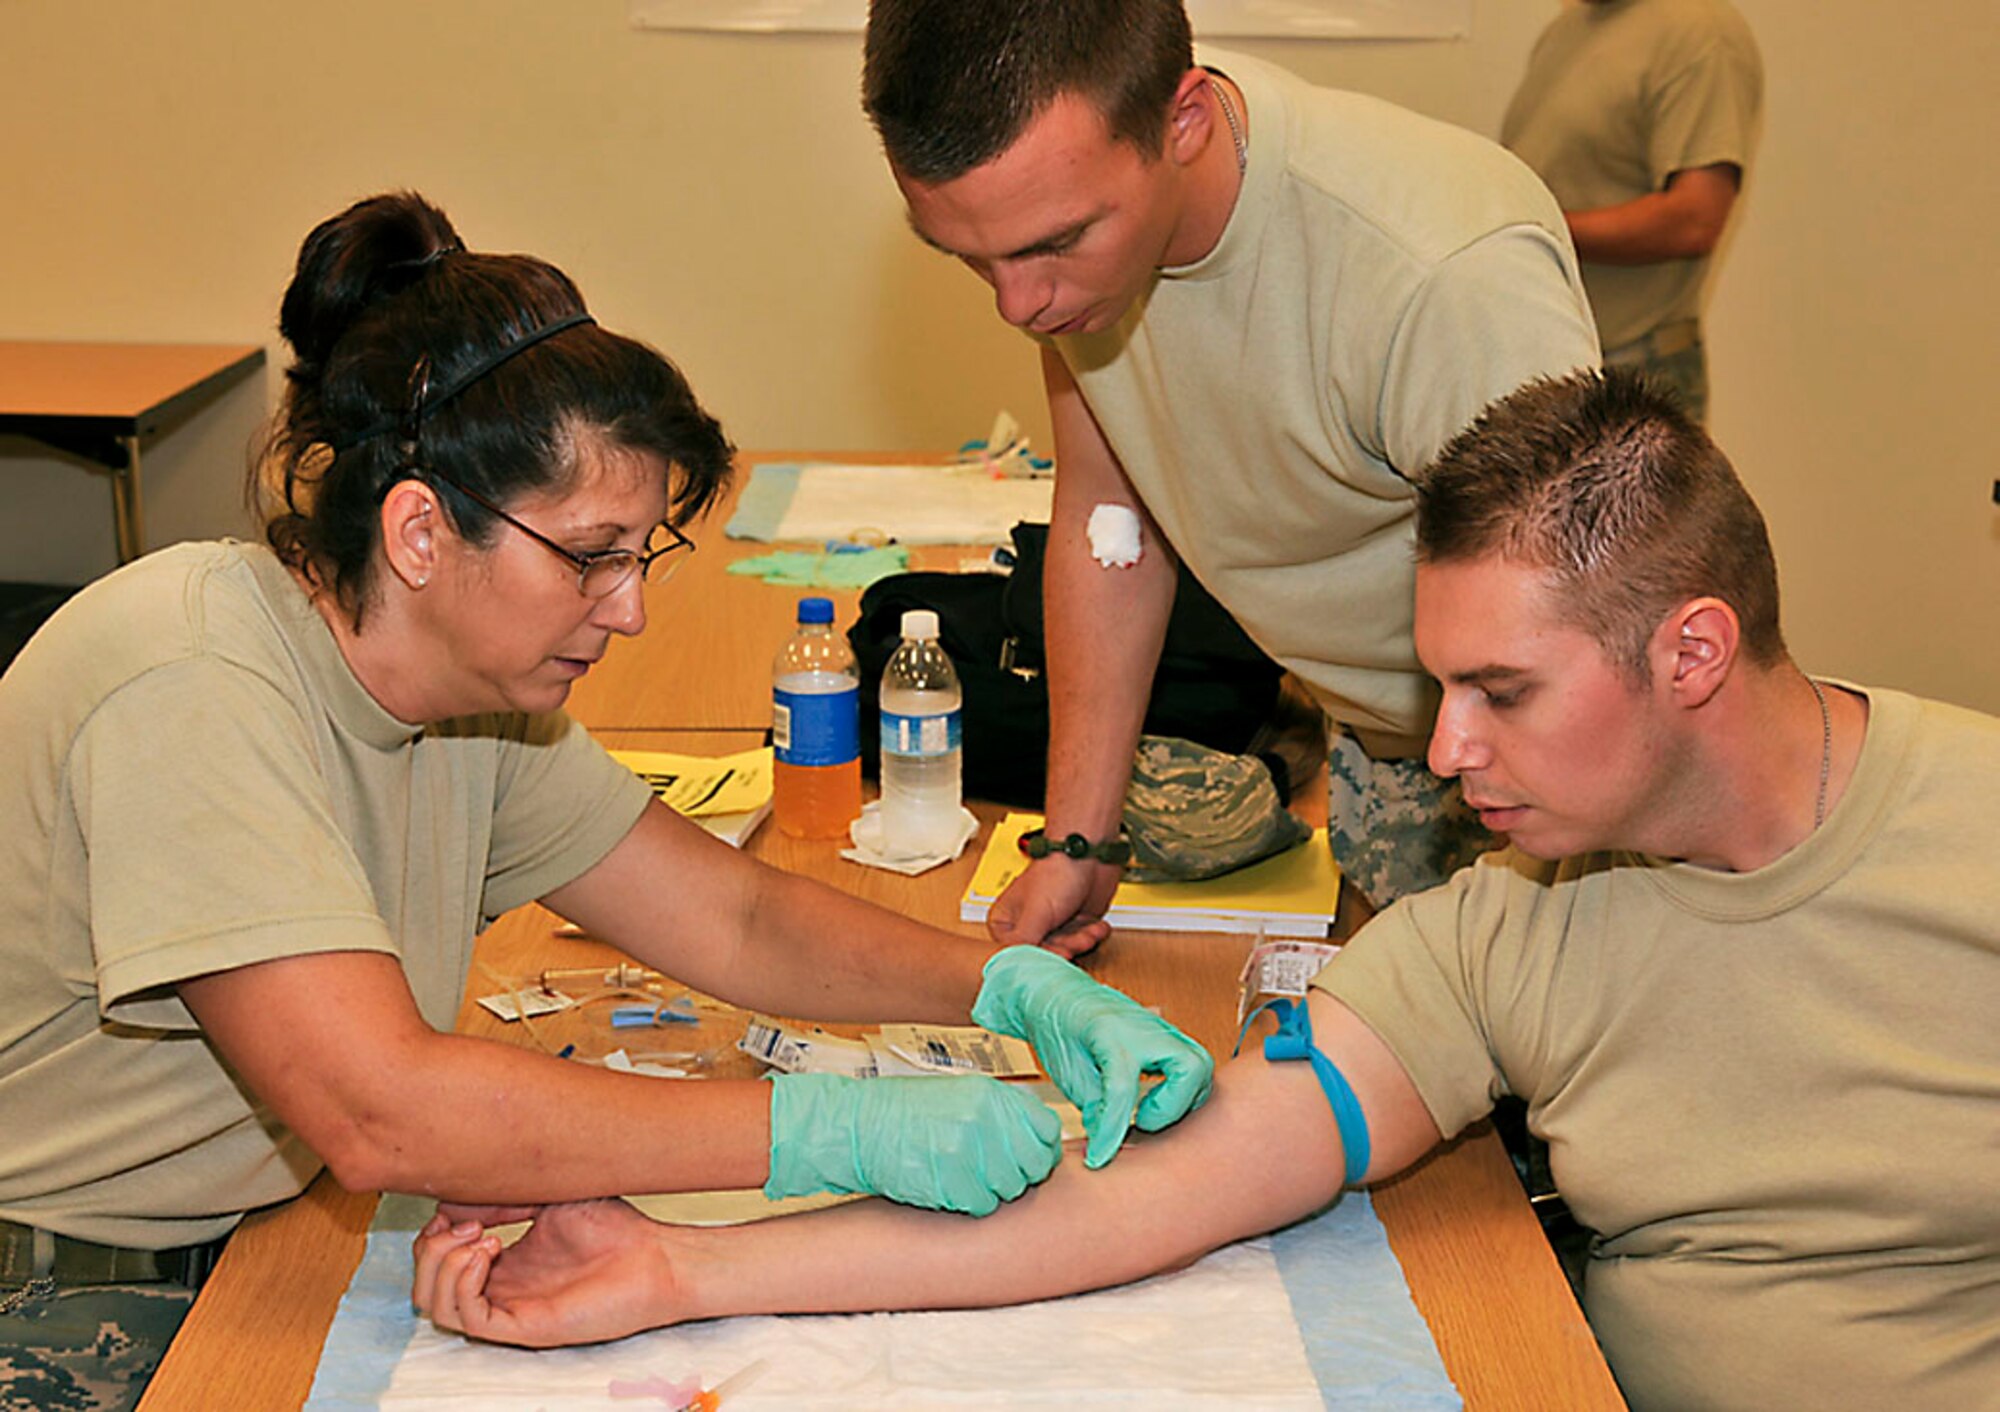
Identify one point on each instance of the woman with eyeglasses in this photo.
(257, 800)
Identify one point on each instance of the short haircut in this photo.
(951, 84)
(1603, 480)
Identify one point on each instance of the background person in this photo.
(258, 801)
(1264, 307)
(1741, 961)
(1642, 116)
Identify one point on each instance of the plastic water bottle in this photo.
(816, 728)
(921, 742)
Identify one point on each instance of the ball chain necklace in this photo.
(1825, 752)
(1235, 124)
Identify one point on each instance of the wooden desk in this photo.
(100, 400)
(1509, 1332)
(704, 661)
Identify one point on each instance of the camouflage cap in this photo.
(1193, 813)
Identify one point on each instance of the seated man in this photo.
(1740, 961)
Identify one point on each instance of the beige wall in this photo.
(722, 196)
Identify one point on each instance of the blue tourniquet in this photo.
(1294, 1040)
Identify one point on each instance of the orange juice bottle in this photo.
(816, 728)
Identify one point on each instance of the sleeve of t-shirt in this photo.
(1506, 309)
(211, 838)
(1706, 112)
(561, 804)
(1417, 976)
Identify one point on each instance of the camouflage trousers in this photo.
(1674, 357)
(87, 1349)
(1394, 827)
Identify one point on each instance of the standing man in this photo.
(1264, 307)
(1642, 115)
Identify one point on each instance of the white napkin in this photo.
(871, 849)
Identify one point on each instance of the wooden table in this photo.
(704, 662)
(1508, 1330)
(101, 400)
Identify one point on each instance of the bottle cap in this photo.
(815, 610)
(920, 623)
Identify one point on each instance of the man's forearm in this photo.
(1104, 629)
(1259, 1155)
(1104, 625)
(1265, 1151)
(1682, 222)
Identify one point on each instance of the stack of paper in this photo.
(1294, 893)
(728, 795)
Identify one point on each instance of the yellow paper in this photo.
(697, 785)
(1291, 893)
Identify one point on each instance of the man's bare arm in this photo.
(1682, 222)
(1265, 1151)
(1104, 629)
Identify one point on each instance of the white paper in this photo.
(507, 1004)
(912, 504)
(896, 1051)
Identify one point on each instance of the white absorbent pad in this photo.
(815, 502)
(1315, 1316)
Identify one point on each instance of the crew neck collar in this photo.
(1823, 855)
(346, 700)
(1264, 112)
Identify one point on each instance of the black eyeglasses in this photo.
(599, 572)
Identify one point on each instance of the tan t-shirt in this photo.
(1618, 97)
(1382, 278)
(191, 780)
(1776, 1094)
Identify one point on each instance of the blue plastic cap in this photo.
(815, 610)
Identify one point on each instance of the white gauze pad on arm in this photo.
(1114, 535)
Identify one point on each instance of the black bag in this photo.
(1213, 685)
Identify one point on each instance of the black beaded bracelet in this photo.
(1037, 844)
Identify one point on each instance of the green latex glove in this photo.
(957, 1144)
(1095, 1043)
(811, 568)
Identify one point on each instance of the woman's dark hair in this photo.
(387, 286)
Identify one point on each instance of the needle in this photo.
(711, 1399)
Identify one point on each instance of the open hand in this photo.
(586, 1271)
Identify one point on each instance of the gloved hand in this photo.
(958, 1144)
(1095, 1043)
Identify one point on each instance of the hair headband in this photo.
(436, 397)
